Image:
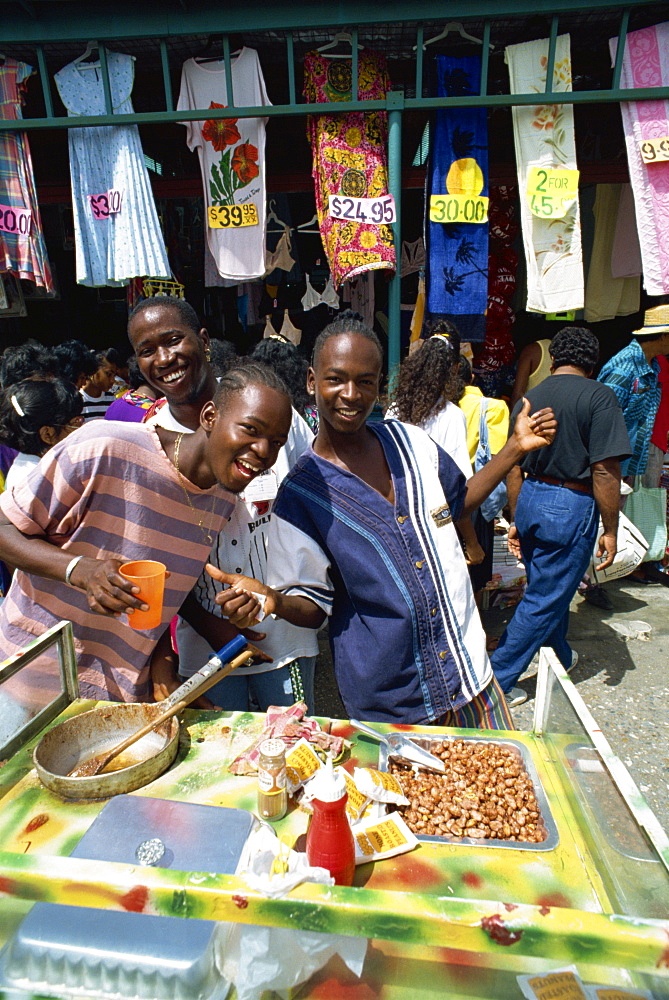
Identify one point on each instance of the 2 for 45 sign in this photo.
(551, 192)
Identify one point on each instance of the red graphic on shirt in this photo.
(262, 507)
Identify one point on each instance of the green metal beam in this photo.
(124, 19)
(277, 110)
(395, 108)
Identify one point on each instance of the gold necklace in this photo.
(205, 533)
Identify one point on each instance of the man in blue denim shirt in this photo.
(555, 496)
(633, 374)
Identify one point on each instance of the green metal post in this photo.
(485, 59)
(104, 69)
(228, 72)
(420, 32)
(355, 88)
(395, 104)
(44, 79)
(167, 83)
(290, 53)
(620, 50)
(552, 42)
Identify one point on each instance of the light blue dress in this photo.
(130, 243)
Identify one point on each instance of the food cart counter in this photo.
(448, 919)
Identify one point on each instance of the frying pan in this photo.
(98, 731)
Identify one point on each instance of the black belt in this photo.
(570, 485)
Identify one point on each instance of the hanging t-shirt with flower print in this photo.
(232, 160)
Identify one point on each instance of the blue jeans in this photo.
(272, 687)
(557, 528)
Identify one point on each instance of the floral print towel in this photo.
(544, 136)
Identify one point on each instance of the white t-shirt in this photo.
(232, 157)
(20, 468)
(242, 548)
(448, 427)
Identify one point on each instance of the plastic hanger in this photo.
(273, 217)
(88, 51)
(212, 41)
(456, 26)
(304, 227)
(340, 38)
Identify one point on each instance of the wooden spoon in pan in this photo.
(213, 671)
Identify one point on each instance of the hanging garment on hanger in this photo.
(457, 273)
(281, 257)
(128, 243)
(413, 257)
(544, 136)
(605, 296)
(24, 254)
(328, 296)
(289, 330)
(644, 65)
(349, 158)
(626, 252)
(232, 157)
(359, 293)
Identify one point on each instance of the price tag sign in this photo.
(458, 208)
(232, 216)
(655, 150)
(105, 204)
(374, 210)
(15, 220)
(551, 191)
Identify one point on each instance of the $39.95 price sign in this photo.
(458, 208)
(105, 204)
(232, 216)
(551, 191)
(374, 210)
(655, 150)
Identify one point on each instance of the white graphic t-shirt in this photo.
(232, 161)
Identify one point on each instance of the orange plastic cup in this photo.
(149, 576)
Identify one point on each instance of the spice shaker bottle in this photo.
(329, 837)
(272, 792)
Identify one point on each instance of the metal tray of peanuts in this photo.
(491, 795)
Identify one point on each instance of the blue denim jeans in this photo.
(557, 528)
(271, 687)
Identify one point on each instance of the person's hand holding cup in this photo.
(149, 576)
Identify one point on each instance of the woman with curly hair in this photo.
(426, 393)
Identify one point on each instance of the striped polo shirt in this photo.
(108, 491)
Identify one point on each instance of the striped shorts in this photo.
(488, 710)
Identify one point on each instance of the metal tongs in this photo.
(402, 746)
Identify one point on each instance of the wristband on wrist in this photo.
(70, 568)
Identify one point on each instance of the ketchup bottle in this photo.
(329, 837)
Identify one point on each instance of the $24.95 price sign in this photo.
(374, 210)
(105, 204)
(551, 192)
(458, 208)
(232, 216)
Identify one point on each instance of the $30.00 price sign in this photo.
(375, 210)
(105, 204)
(551, 191)
(232, 216)
(458, 208)
(655, 150)
(15, 220)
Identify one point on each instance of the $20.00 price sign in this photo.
(105, 204)
(15, 220)
(232, 216)
(374, 210)
(458, 208)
